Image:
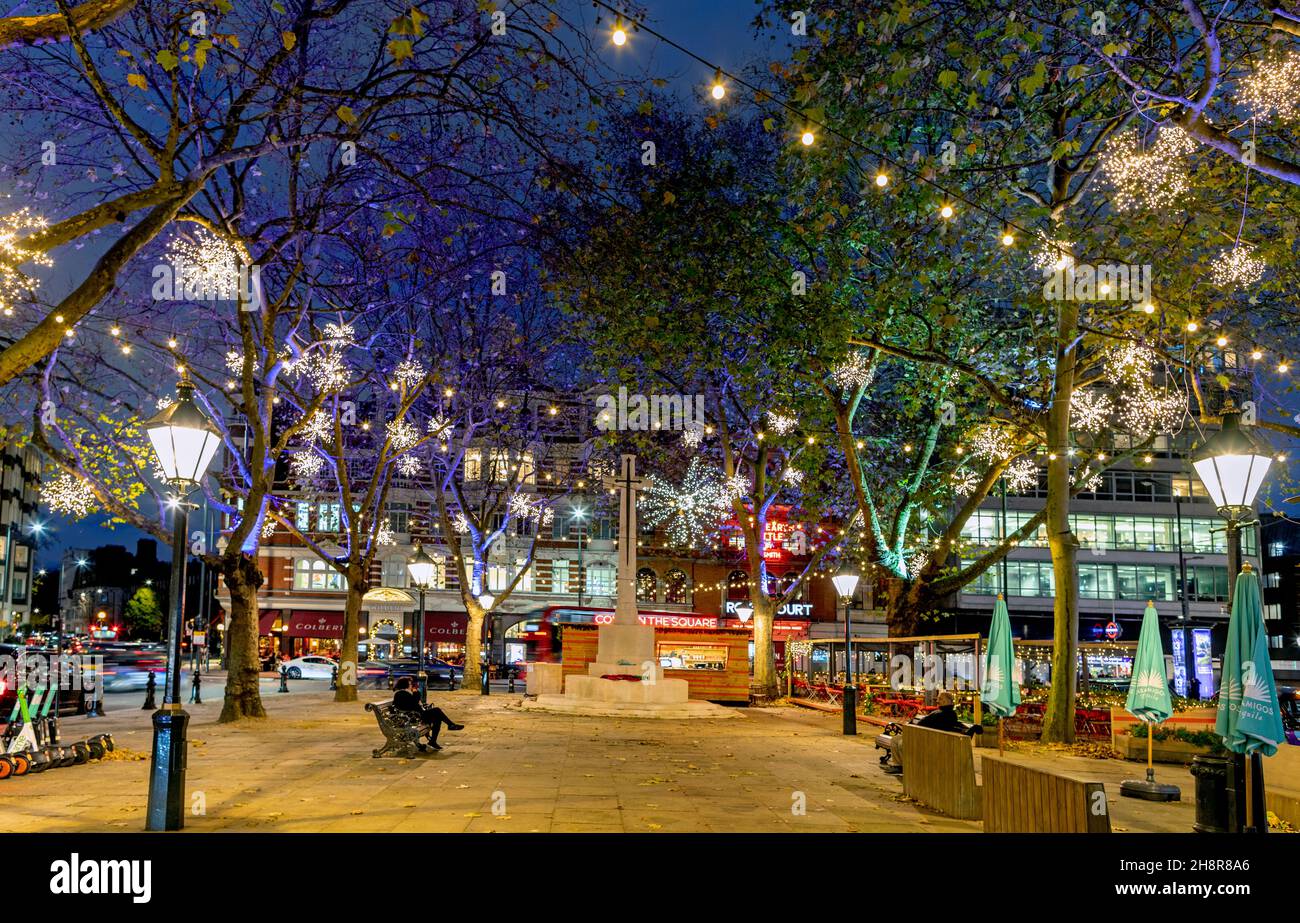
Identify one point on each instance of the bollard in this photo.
(334, 679)
(284, 680)
(150, 688)
(196, 697)
(96, 707)
(512, 680)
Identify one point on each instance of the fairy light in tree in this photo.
(1274, 88)
(440, 426)
(917, 562)
(781, 423)
(1153, 178)
(854, 372)
(385, 536)
(1021, 475)
(305, 465)
(401, 435)
(792, 476)
(522, 506)
(1051, 255)
(692, 435)
(688, 512)
(460, 524)
(1237, 265)
(340, 335)
(326, 371)
(990, 442)
(736, 488)
(13, 228)
(409, 373)
(1091, 410)
(235, 361)
(408, 466)
(205, 265)
(317, 427)
(963, 482)
(268, 526)
(69, 495)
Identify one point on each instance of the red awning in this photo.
(266, 620)
(445, 626)
(314, 624)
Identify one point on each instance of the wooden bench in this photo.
(401, 730)
(1019, 798)
(939, 770)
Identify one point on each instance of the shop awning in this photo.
(266, 620)
(314, 624)
(448, 627)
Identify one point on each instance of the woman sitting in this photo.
(408, 700)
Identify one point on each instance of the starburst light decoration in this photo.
(305, 465)
(340, 335)
(853, 372)
(440, 426)
(1152, 177)
(206, 266)
(1049, 254)
(408, 374)
(522, 506)
(692, 435)
(1274, 88)
(991, 442)
(13, 228)
(460, 524)
(1021, 475)
(916, 563)
(326, 371)
(408, 466)
(792, 476)
(963, 482)
(780, 423)
(1236, 266)
(70, 496)
(1091, 410)
(317, 427)
(735, 488)
(385, 536)
(401, 435)
(235, 361)
(689, 511)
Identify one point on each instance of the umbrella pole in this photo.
(1250, 797)
(1151, 769)
(999, 735)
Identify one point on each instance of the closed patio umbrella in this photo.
(1150, 702)
(999, 690)
(1249, 718)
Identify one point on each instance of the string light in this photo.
(946, 212)
(1021, 475)
(620, 36)
(1008, 238)
(882, 180)
(1274, 88)
(13, 228)
(781, 423)
(69, 495)
(807, 138)
(689, 511)
(1091, 410)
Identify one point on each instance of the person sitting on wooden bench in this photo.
(433, 718)
(944, 718)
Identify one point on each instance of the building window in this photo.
(559, 576)
(675, 589)
(473, 465)
(738, 585)
(1272, 611)
(600, 579)
(647, 585)
(315, 574)
(1273, 580)
(399, 517)
(327, 517)
(1277, 549)
(395, 573)
(302, 517)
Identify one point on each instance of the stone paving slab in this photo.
(308, 767)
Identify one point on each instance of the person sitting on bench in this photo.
(408, 700)
(944, 718)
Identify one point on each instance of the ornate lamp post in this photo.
(1232, 466)
(421, 567)
(184, 444)
(486, 600)
(846, 583)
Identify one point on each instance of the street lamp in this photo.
(421, 568)
(744, 611)
(1232, 466)
(579, 516)
(846, 583)
(184, 443)
(486, 600)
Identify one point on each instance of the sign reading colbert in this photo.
(314, 624)
(446, 627)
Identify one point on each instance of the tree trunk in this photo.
(473, 646)
(764, 688)
(243, 698)
(346, 688)
(1058, 722)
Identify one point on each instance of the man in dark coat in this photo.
(944, 718)
(408, 700)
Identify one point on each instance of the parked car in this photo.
(440, 672)
(313, 666)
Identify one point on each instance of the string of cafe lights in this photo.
(1239, 256)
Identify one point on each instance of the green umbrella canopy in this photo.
(1148, 693)
(999, 691)
(1249, 718)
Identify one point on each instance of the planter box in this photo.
(1163, 751)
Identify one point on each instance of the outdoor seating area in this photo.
(898, 679)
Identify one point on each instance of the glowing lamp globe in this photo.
(184, 439)
(845, 583)
(421, 567)
(744, 611)
(1232, 466)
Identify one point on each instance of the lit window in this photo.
(315, 574)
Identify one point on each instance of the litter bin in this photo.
(1213, 776)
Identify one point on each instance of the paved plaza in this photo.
(308, 767)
